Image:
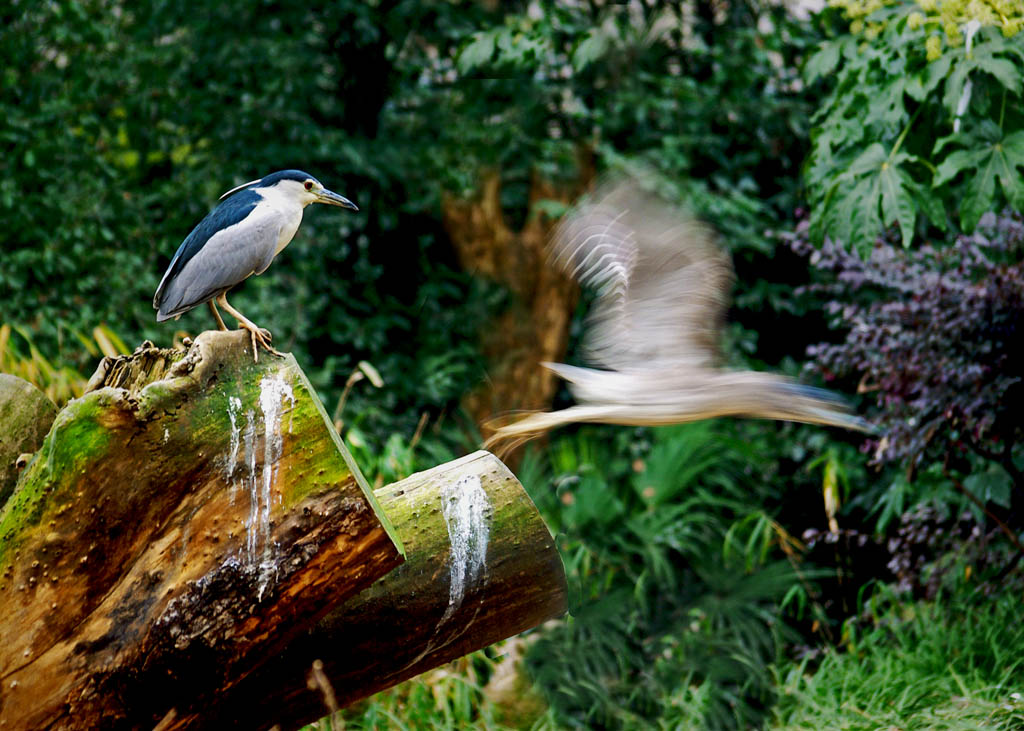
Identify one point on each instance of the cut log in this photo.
(187, 549)
(480, 567)
(180, 524)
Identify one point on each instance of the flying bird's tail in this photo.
(791, 401)
(656, 399)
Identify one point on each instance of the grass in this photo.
(947, 664)
(60, 382)
(472, 692)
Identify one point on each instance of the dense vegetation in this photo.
(863, 165)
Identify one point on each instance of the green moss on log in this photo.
(76, 437)
(172, 535)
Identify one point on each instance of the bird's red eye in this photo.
(309, 185)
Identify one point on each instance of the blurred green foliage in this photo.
(122, 124)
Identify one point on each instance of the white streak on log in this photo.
(249, 441)
(258, 476)
(467, 514)
(234, 407)
(466, 511)
(273, 390)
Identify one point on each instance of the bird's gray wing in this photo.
(662, 280)
(228, 257)
(227, 214)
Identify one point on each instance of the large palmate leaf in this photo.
(993, 157)
(877, 190)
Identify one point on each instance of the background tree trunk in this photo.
(535, 328)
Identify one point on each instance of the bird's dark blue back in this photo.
(234, 210)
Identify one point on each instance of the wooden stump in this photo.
(480, 566)
(180, 523)
(535, 328)
(192, 536)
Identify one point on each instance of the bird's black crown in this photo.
(275, 178)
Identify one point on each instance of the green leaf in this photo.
(1005, 71)
(477, 53)
(822, 215)
(822, 62)
(987, 163)
(989, 131)
(992, 485)
(955, 83)
(874, 191)
(886, 105)
(954, 163)
(937, 71)
(1013, 145)
(897, 202)
(977, 198)
(859, 222)
(930, 205)
(590, 49)
(941, 143)
(914, 88)
(1009, 156)
(872, 157)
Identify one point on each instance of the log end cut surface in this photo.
(480, 566)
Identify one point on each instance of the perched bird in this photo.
(239, 238)
(654, 331)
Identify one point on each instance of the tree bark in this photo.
(480, 566)
(535, 328)
(181, 522)
(191, 539)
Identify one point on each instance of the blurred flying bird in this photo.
(239, 238)
(654, 331)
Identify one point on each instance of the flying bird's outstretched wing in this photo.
(656, 327)
(663, 283)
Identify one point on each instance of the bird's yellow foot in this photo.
(262, 337)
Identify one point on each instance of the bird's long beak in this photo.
(333, 199)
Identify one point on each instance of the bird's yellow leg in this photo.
(216, 315)
(258, 334)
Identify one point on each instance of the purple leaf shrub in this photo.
(935, 333)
